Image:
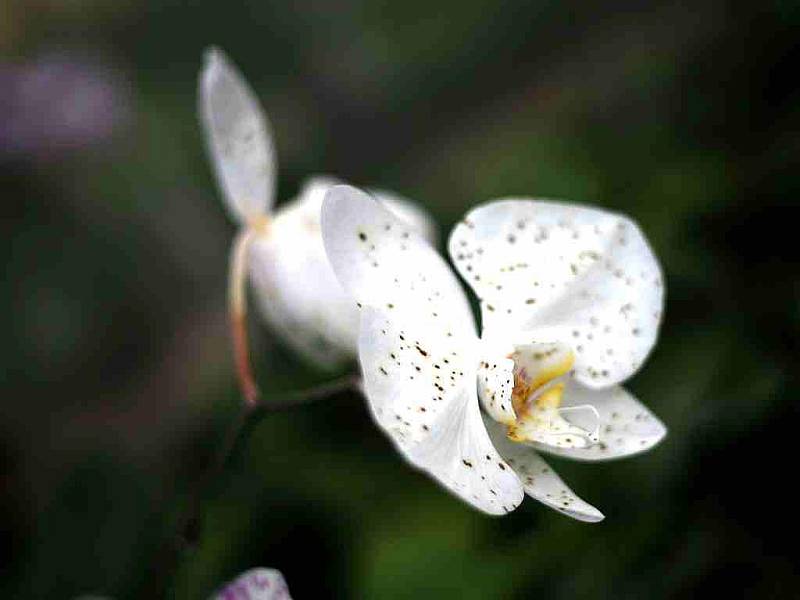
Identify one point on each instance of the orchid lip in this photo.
(594, 433)
(539, 371)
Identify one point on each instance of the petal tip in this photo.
(594, 516)
(585, 513)
(661, 434)
(338, 201)
(215, 62)
(213, 55)
(337, 192)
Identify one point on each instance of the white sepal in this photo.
(297, 291)
(538, 479)
(238, 139)
(567, 273)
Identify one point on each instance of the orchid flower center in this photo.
(539, 372)
(534, 369)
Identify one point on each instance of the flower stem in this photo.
(247, 418)
(189, 527)
(237, 302)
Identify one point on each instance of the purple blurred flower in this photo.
(57, 103)
(255, 584)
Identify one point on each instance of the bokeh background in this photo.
(118, 382)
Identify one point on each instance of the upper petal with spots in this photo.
(238, 138)
(315, 188)
(554, 272)
(382, 262)
(408, 212)
(417, 347)
(417, 340)
(411, 374)
(297, 289)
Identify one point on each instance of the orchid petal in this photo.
(411, 375)
(539, 480)
(495, 385)
(626, 426)
(255, 584)
(431, 413)
(417, 347)
(238, 137)
(460, 455)
(297, 290)
(316, 187)
(408, 212)
(419, 393)
(551, 272)
(417, 337)
(382, 262)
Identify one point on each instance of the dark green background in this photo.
(117, 377)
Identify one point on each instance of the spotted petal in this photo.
(408, 212)
(297, 290)
(382, 262)
(238, 137)
(411, 375)
(552, 272)
(314, 189)
(495, 385)
(626, 428)
(459, 453)
(417, 348)
(417, 341)
(420, 394)
(255, 584)
(538, 479)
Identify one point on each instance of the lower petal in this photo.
(626, 426)
(461, 456)
(540, 481)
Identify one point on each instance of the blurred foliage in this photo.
(118, 383)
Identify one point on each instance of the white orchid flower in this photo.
(571, 301)
(255, 584)
(281, 250)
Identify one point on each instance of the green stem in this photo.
(248, 417)
(190, 530)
